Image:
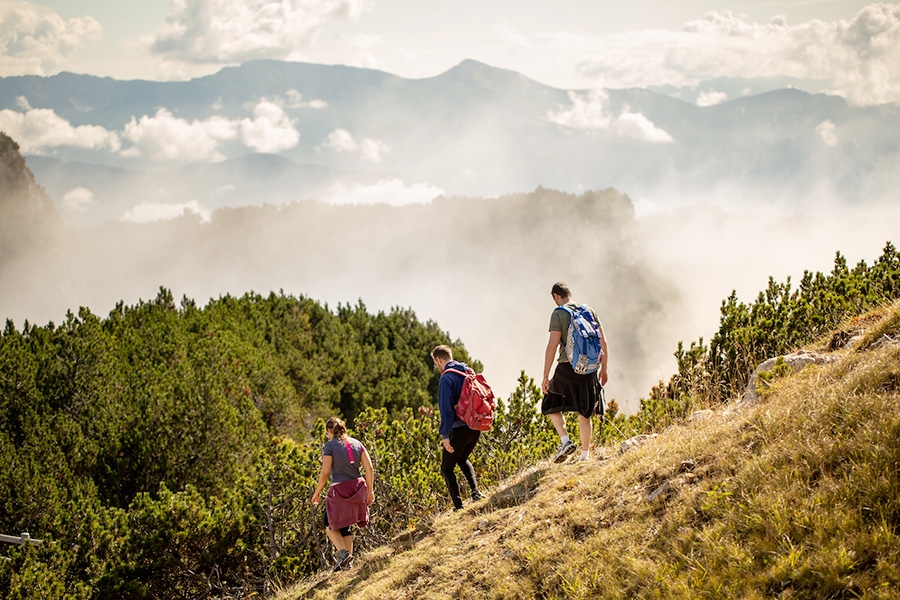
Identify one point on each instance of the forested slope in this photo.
(170, 450)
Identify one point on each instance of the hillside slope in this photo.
(796, 496)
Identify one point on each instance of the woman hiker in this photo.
(350, 494)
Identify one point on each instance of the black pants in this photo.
(463, 441)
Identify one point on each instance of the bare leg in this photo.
(559, 423)
(585, 428)
(336, 539)
(348, 544)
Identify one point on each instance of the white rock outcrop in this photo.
(797, 361)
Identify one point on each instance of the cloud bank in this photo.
(341, 140)
(36, 40)
(591, 112)
(162, 136)
(230, 31)
(37, 130)
(860, 58)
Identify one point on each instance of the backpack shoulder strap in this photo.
(457, 371)
(349, 451)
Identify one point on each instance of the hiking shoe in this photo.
(476, 495)
(564, 451)
(342, 558)
(349, 564)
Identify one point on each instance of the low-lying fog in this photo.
(481, 268)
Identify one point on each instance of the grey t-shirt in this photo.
(559, 321)
(341, 467)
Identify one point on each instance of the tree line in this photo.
(780, 320)
(170, 451)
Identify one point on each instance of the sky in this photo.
(853, 46)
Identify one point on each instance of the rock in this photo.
(658, 491)
(797, 361)
(634, 442)
(700, 415)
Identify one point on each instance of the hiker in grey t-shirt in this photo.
(350, 494)
(568, 391)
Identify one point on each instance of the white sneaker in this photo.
(564, 451)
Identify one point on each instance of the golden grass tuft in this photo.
(797, 497)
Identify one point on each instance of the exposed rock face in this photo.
(32, 272)
(797, 361)
(29, 223)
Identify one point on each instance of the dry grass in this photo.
(797, 497)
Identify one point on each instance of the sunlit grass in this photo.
(797, 497)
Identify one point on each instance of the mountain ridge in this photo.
(473, 130)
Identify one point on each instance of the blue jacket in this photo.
(448, 396)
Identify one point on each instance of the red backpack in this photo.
(476, 400)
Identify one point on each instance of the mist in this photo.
(482, 268)
(463, 197)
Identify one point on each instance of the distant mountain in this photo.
(473, 130)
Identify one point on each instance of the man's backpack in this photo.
(583, 340)
(476, 400)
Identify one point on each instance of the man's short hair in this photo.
(443, 352)
(561, 290)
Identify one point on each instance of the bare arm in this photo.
(549, 355)
(602, 374)
(370, 477)
(324, 474)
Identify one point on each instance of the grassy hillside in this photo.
(797, 496)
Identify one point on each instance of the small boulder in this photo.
(796, 361)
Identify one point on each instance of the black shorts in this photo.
(571, 392)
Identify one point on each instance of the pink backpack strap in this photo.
(349, 452)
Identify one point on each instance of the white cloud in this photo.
(860, 57)
(591, 112)
(40, 129)
(270, 130)
(711, 98)
(295, 100)
(166, 137)
(239, 30)
(162, 136)
(639, 127)
(828, 133)
(78, 199)
(36, 40)
(147, 212)
(341, 140)
(387, 191)
(372, 150)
